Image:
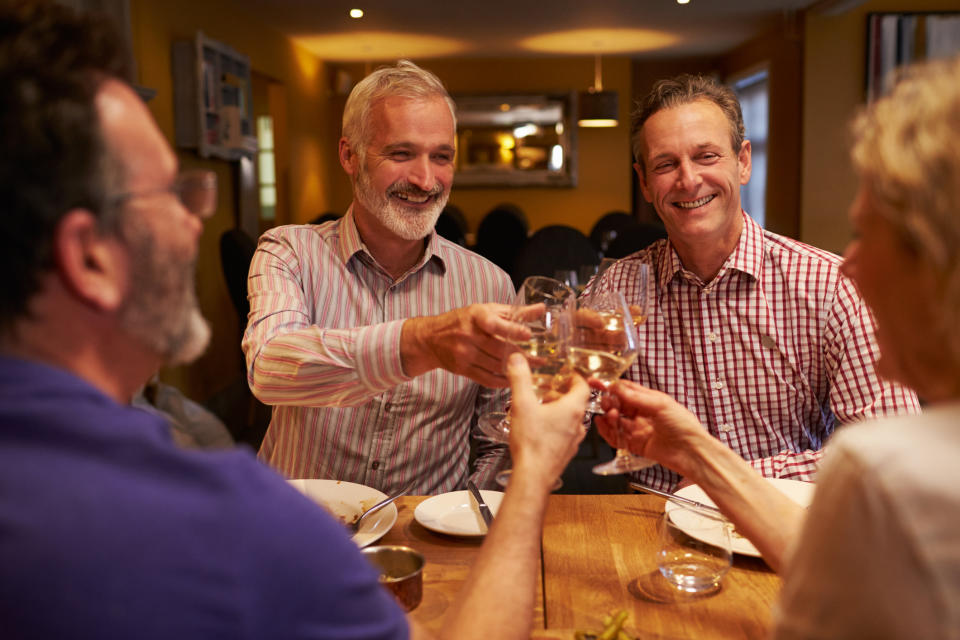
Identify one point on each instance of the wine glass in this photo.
(593, 406)
(569, 277)
(585, 273)
(604, 344)
(545, 306)
(550, 327)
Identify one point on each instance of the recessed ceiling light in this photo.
(356, 13)
(683, 1)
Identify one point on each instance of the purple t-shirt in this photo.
(108, 530)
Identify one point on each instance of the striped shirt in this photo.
(322, 346)
(771, 355)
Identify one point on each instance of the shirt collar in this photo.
(351, 244)
(746, 257)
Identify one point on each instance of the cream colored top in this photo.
(880, 553)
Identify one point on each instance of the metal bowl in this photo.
(401, 571)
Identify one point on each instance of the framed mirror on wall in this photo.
(516, 140)
(896, 39)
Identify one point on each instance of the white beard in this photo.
(410, 223)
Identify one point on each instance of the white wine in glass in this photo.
(604, 344)
(545, 352)
(604, 366)
(545, 306)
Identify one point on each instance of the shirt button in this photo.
(718, 385)
(375, 465)
(726, 428)
(712, 336)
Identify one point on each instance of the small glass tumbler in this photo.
(695, 551)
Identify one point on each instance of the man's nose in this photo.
(688, 178)
(422, 174)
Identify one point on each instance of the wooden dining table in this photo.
(598, 557)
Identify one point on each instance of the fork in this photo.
(355, 525)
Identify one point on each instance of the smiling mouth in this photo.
(693, 204)
(414, 198)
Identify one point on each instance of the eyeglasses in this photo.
(196, 190)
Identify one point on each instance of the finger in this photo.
(609, 402)
(488, 376)
(494, 320)
(639, 398)
(596, 384)
(578, 391)
(529, 312)
(521, 382)
(486, 379)
(606, 427)
(494, 351)
(629, 384)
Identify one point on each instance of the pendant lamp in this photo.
(598, 108)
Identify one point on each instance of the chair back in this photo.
(553, 248)
(501, 235)
(449, 227)
(608, 227)
(634, 239)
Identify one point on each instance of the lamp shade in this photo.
(598, 109)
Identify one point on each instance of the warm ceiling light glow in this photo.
(363, 46)
(683, 1)
(600, 40)
(358, 13)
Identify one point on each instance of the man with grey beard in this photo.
(377, 342)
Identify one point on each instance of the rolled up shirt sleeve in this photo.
(292, 360)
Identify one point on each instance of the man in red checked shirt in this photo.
(758, 335)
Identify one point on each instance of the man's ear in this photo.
(745, 158)
(349, 159)
(92, 265)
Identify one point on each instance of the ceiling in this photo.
(420, 29)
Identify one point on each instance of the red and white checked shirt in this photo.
(771, 355)
(322, 346)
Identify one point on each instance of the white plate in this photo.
(799, 492)
(456, 513)
(346, 501)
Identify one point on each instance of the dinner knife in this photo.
(636, 486)
(484, 509)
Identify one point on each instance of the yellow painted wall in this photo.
(604, 154)
(302, 172)
(834, 69)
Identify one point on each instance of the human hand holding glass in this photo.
(545, 306)
(603, 345)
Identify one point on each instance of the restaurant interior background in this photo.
(813, 53)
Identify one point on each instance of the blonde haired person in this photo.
(878, 553)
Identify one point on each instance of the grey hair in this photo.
(684, 89)
(404, 80)
(906, 154)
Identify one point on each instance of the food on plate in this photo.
(612, 629)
